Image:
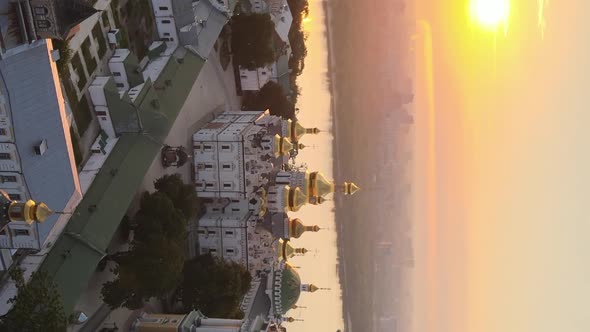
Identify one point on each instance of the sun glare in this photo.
(490, 13)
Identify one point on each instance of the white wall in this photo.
(8, 150)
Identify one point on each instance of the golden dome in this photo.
(313, 288)
(29, 211)
(295, 198)
(319, 185)
(281, 146)
(42, 212)
(350, 188)
(300, 146)
(296, 228)
(314, 131)
(285, 251)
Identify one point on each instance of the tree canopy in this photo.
(215, 286)
(153, 266)
(271, 97)
(252, 40)
(183, 196)
(37, 306)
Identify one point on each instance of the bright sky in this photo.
(507, 249)
(324, 308)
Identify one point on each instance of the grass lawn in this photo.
(76, 146)
(79, 69)
(88, 57)
(136, 20)
(106, 23)
(99, 36)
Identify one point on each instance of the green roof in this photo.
(73, 258)
(290, 288)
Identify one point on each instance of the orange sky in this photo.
(510, 249)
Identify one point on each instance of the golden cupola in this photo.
(319, 186)
(349, 188)
(294, 198)
(29, 211)
(281, 146)
(285, 251)
(297, 228)
(295, 130)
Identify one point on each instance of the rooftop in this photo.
(37, 117)
(74, 256)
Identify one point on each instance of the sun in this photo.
(490, 13)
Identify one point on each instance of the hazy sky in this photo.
(324, 308)
(508, 247)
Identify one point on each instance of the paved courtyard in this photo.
(213, 91)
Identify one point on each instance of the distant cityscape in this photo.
(104, 100)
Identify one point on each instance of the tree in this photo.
(183, 196)
(297, 38)
(158, 217)
(252, 40)
(215, 286)
(36, 307)
(148, 270)
(153, 266)
(272, 97)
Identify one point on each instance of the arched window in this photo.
(43, 24)
(41, 11)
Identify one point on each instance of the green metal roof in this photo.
(290, 288)
(73, 258)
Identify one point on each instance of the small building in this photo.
(193, 24)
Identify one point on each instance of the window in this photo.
(5, 156)
(120, 85)
(101, 113)
(230, 233)
(227, 185)
(230, 251)
(215, 209)
(116, 73)
(207, 148)
(210, 232)
(226, 166)
(3, 131)
(208, 166)
(200, 231)
(235, 209)
(235, 200)
(8, 178)
(14, 197)
(21, 232)
(243, 77)
(263, 73)
(199, 185)
(225, 147)
(43, 24)
(167, 34)
(166, 21)
(41, 11)
(163, 8)
(209, 185)
(212, 251)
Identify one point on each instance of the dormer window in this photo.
(41, 148)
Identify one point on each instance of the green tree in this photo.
(297, 38)
(148, 270)
(183, 196)
(158, 217)
(271, 97)
(214, 286)
(252, 40)
(36, 307)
